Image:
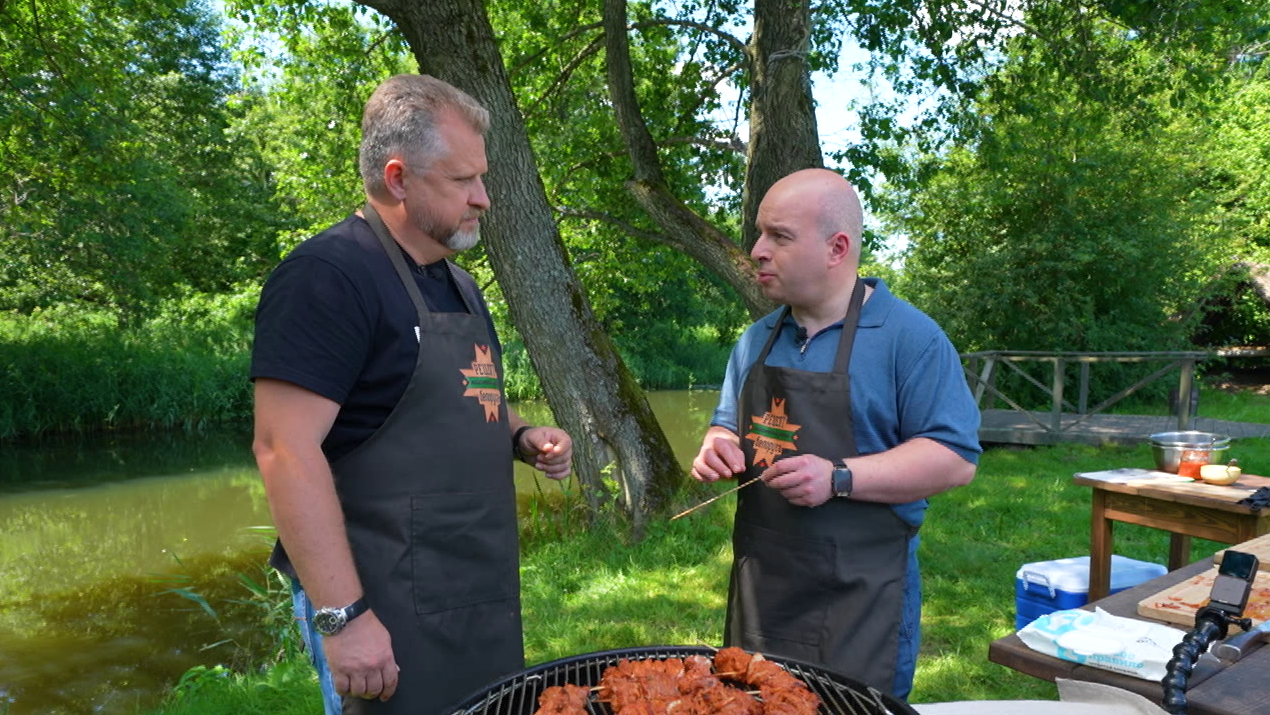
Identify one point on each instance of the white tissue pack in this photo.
(1099, 639)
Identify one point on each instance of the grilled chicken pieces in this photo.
(689, 686)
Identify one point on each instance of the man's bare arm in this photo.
(916, 469)
(291, 423)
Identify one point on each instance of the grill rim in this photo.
(550, 672)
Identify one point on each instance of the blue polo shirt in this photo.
(906, 382)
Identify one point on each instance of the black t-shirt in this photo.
(335, 319)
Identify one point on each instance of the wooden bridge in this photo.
(1073, 420)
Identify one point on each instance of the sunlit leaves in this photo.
(117, 179)
(311, 67)
(1065, 223)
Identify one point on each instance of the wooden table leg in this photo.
(1100, 540)
(1179, 551)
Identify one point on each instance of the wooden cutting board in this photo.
(1259, 547)
(1179, 603)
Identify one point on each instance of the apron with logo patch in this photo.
(430, 510)
(825, 584)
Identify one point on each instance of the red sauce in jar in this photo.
(1191, 461)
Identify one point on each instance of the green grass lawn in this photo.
(586, 590)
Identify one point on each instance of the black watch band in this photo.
(516, 453)
(329, 621)
(843, 481)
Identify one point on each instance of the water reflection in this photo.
(97, 531)
(81, 460)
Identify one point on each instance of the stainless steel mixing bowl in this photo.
(1167, 447)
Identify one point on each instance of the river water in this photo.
(122, 559)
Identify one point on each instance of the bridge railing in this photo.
(983, 368)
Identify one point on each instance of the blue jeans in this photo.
(331, 701)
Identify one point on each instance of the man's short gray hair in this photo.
(400, 121)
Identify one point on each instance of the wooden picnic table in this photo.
(1185, 509)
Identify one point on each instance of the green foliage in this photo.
(1065, 223)
(309, 67)
(673, 322)
(1241, 153)
(118, 179)
(72, 368)
(288, 688)
(948, 53)
(556, 66)
(1238, 178)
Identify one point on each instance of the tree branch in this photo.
(995, 12)
(729, 38)
(626, 226)
(557, 41)
(626, 109)
(375, 45)
(567, 72)
(690, 112)
(1254, 50)
(732, 143)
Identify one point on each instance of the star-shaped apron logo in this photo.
(482, 382)
(772, 434)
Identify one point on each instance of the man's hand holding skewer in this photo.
(720, 456)
(804, 480)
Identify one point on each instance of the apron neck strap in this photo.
(849, 324)
(398, 261)
(845, 342)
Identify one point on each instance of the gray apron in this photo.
(431, 513)
(824, 584)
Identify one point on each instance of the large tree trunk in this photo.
(783, 133)
(681, 227)
(589, 388)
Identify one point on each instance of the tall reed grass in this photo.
(71, 368)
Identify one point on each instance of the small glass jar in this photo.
(1191, 461)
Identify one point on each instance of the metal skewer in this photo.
(716, 497)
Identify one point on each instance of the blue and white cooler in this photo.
(1046, 586)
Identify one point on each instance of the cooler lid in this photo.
(1072, 574)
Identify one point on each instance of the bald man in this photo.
(851, 406)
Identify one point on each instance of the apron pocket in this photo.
(464, 551)
(785, 583)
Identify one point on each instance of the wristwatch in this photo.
(329, 621)
(842, 481)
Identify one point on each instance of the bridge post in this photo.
(1084, 386)
(986, 379)
(1056, 419)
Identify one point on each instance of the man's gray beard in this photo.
(462, 240)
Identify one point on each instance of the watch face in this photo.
(328, 622)
(842, 482)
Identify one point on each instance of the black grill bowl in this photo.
(518, 694)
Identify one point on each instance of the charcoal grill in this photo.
(518, 694)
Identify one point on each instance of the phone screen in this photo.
(1239, 565)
